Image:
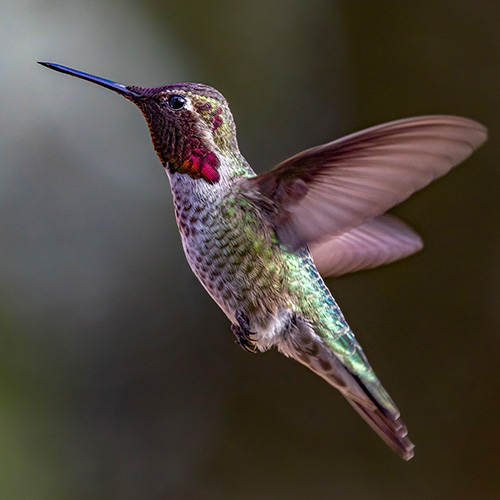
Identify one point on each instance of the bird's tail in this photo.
(357, 383)
(384, 420)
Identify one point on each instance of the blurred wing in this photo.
(379, 241)
(329, 189)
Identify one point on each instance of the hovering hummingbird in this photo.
(259, 244)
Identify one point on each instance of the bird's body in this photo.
(232, 248)
(259, 243)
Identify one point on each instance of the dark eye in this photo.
(176, 102)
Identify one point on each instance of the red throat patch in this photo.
(201, 164)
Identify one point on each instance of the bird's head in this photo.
(191, 124)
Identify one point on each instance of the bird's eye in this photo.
(176, 102)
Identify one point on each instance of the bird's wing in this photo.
(379, 241)
(330, 189)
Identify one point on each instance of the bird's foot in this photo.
(243, 334)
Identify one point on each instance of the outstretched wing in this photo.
(330, 189)
(379, 241)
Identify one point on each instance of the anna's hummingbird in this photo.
(259, 244)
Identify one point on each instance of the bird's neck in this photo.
(186, 189)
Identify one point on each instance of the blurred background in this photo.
(119, 377)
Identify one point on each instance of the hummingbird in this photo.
(262, 244)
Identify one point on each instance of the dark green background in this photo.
(119, 377)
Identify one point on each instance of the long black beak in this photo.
(117, 87)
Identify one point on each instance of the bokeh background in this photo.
(119, 378)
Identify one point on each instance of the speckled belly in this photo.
(234, 252)
(238, 269)
(235, 257)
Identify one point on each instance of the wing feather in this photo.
(328, 190)
(379, 241)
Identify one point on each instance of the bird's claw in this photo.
(243, 334)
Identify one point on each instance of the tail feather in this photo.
(364, 392)
(388, 426)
